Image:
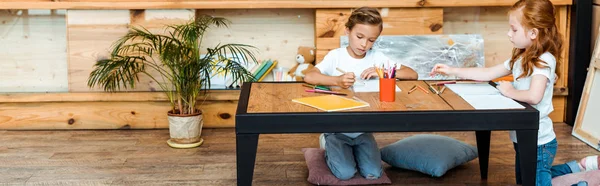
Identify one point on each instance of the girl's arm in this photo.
(478, 74)
(532, 96)
(314, 76)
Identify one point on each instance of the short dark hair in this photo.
(365, 15)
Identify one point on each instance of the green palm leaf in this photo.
(176, 57)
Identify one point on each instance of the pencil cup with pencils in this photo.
(387, 82)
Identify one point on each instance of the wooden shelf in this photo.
(213, 95)
(246, 4)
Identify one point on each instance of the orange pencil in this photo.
(423, 89)
(412, 89)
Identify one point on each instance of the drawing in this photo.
(422, 52)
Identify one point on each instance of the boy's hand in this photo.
(440, 69)
(346, 80)
(369, 73)
(504, 87)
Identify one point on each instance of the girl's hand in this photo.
(441, 69)
(346, 80)
(369, 73)
(505, 87)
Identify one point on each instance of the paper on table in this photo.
(483, 96)
(371, 85)
(473, 89)
(497, 101)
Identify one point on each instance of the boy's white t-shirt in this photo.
(340, 58)
(546, 130)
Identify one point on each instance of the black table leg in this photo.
(483, 149)
(527, 140)
(245, 154)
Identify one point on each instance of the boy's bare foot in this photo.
(589, 163)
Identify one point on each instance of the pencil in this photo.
(433, 90)
(412, 89)
(325, 92)
(316, 86)
(422, 89)
(340, 70)
(443, 88)
(456, 82)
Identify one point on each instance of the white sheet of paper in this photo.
(371, 85)
(484, 96)
(481, 102)
(473, 89)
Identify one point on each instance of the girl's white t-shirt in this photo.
(546, 130)
(340, 58)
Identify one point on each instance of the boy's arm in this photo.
(406, 72)
(314, 76)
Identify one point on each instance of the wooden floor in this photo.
(141, 157)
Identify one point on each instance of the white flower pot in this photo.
(185, 130)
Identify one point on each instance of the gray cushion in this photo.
(428, 154)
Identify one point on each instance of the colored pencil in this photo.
(412, 89)
(423, 89)
(325, 92)
(456, 82)
(433, 90)
(316, 86)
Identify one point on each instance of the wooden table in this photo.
(266, 108)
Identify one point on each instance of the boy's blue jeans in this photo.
(545, 171)
(343, 153)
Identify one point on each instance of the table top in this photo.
(277, 97)
(267, 107)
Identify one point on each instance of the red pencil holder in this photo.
(387, 89)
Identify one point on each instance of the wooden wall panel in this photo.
(563, 23)
(560, 104)
(92, 32)
(212, 95)
(33, 51)
(105, 115)
(329, 24)
(490, 22)
(90, 35)
(277, 33)
(246, 4)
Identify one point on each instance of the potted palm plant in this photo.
(185, 71)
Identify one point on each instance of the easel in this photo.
(587, 123)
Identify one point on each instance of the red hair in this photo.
(540, 15)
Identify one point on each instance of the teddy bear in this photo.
(305, 59)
